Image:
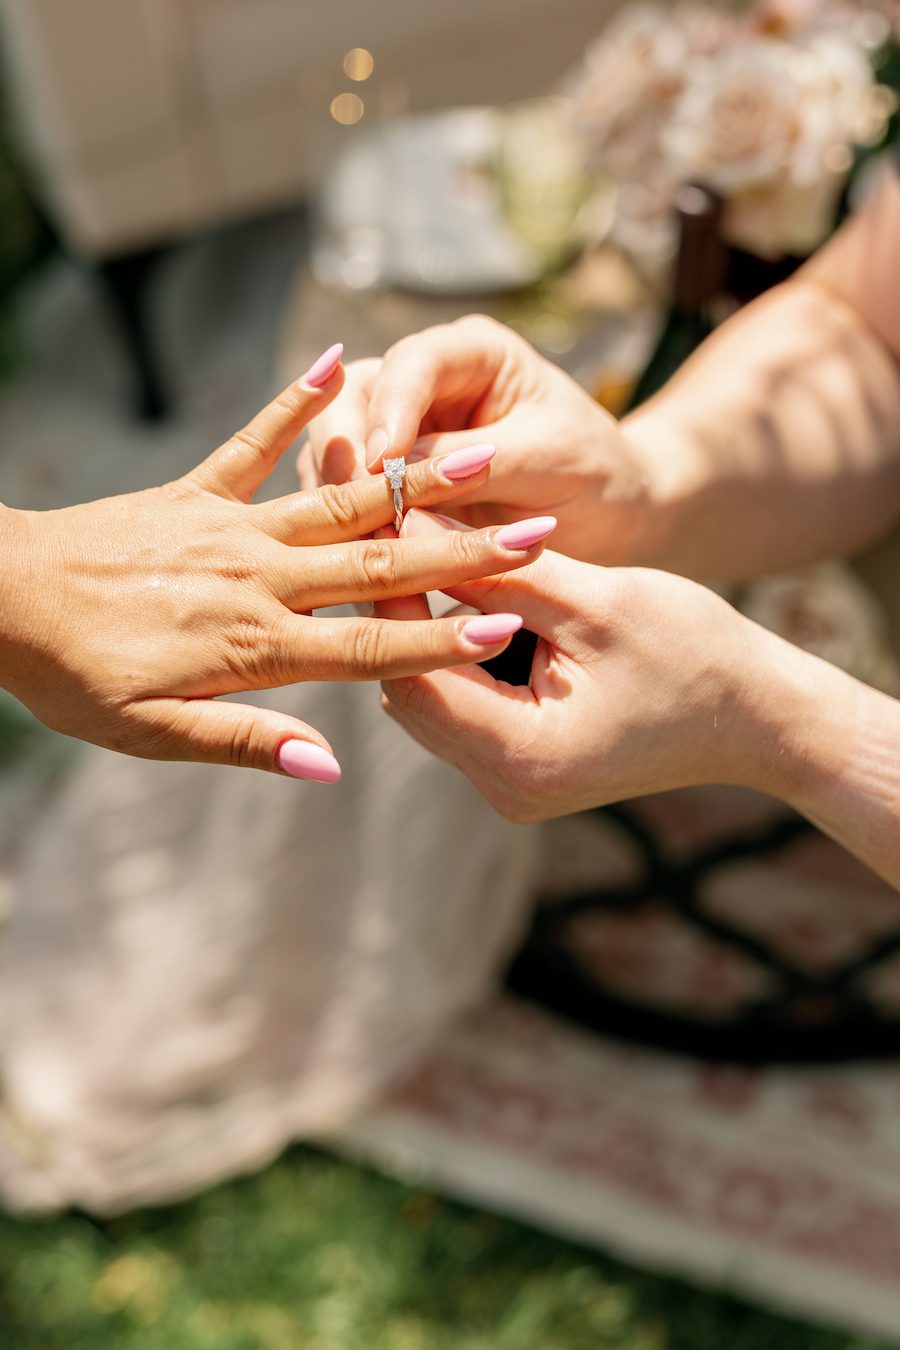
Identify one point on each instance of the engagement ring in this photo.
(394, 470)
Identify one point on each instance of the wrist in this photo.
(787, 746)
(670, 468)
(847, 767)
(829, 746)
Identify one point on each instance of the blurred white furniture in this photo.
(146, 119)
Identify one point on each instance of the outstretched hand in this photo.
(122, 620)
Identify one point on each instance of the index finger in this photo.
(244, 462)
(452, 363)
(337, 512)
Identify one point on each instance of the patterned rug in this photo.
(759, 1149)
(783, 1186)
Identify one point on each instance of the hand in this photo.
(122, 620)
(558, 451)
(641, 681)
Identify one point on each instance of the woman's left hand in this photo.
(641, 681)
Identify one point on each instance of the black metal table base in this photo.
(809, 1018)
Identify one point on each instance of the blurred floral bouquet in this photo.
(764, 105)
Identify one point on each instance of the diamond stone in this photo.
(394, 469)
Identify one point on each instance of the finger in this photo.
(338, 436)
(381, 649)
(449, 364)
(211, 732)
(548, 593)
(350, 510)
(465, 716)
(378, 569)
(506, 437)
(245, 461)
(307, 469)
(403, 607)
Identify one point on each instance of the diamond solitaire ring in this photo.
(394, 471)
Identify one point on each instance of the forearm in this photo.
(778, 443)
(830, 747)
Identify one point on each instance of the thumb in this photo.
(213, 732)
(541, 592)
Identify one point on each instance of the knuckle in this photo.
(472, 549)
(377, 563)
(419, 347)
(250, 651)
(499, 587)
(236, 569)
(478, 323)
(366, 651)
(410, 695)
(185, 489)
(140, 733)
(245, 746)
(340, 505)
(249, 438)
(403, 347)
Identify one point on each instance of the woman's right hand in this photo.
(123, 620)
(557, 450)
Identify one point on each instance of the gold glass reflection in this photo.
(347, 109)
(358, 64)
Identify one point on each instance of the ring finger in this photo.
(333, 513)
(377, 569)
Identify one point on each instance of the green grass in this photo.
(319, 1254)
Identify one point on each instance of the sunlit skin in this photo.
(778, 443)
(122, 620)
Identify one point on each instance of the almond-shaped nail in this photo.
(489, 629)
(302, 760)
(376, 445)
(466, 463)
(524, 534)
(322, 369)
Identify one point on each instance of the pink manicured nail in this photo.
(526, 533)
(302, 760)
(321, 371)
(488, 629)
(465, 463)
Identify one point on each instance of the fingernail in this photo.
(465, 463)
(376, 445)
(321, 370)
(524, 534)
(488, 629)
(302, 760)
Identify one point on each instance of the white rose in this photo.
(770, 138)
(630, 76)
(738, 121)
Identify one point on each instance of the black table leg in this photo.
(126, 281)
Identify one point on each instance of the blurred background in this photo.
(196, 198)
